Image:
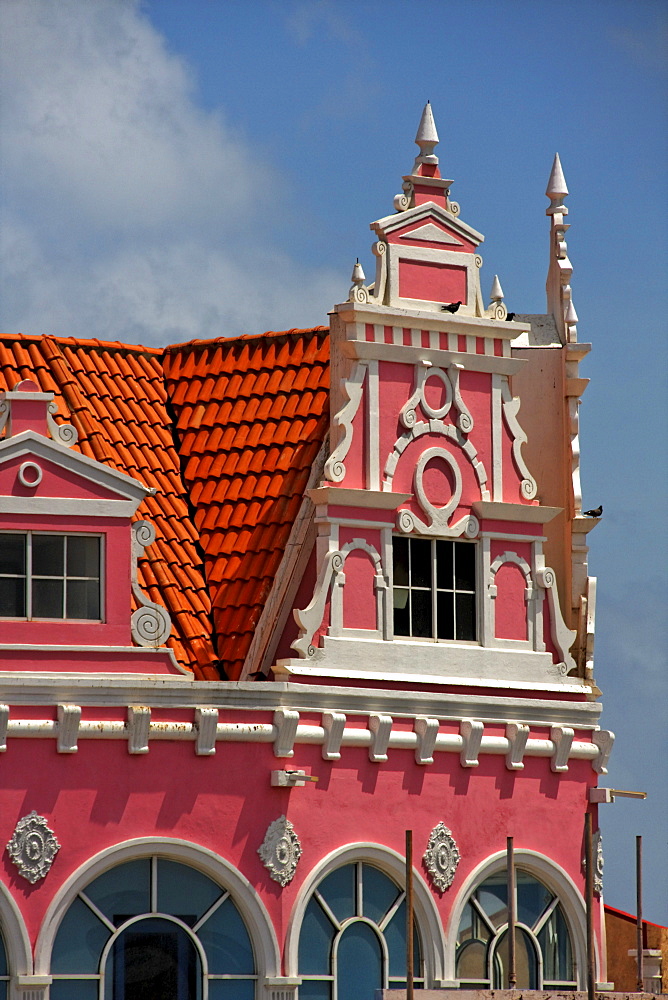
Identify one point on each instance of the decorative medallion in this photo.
(598, 862)
(441, 857)
(280, 851)
(33, 847)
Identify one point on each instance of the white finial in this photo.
(496, 294)
(556, 186)
(427, 136)
(571, 315)
(357, 276)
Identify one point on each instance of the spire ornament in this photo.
(427, 136)
(497, 308)
(358, 292)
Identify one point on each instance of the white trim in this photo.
(548, 872)
(31, 443)
(15, 934)
(85, 651)
(60, 507)
(365, 350)
(522, 512)
(26, 687)
(427, 210)
(346, 497)
(245, 897)
(375, 313)
(394, 865)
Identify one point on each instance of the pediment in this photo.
(430, 214)
(38, 474)
(430, 233)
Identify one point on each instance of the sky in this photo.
(175, 169)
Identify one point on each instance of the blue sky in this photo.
(194, 168)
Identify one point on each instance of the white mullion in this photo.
(481, 913)
(328, 912)
(392, 910)
(545, 916)
(360, 890)
(210, 912)
(64, 604)
(98, 912)
(154, 884)
(410, 588)
(29, 574)
(434, 603)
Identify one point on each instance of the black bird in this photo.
(510, 317)
(452, 308)
(596, 512)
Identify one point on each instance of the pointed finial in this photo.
(556, 186)
(427, 136)
(496, 294)
(357, 276)
(571, 315)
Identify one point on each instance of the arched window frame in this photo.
(250, 906)
(393, 865)
(16, 939)
(555, 878)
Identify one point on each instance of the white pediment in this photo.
(431, 233)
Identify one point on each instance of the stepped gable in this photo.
(251, 414)
(114, 395)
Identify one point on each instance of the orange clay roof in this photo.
(250, 415)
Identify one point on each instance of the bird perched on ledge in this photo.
(452, 307)
(596, 512)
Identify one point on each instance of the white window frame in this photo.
(435, 589)
(29, 576)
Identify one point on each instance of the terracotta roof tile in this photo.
(247, 466)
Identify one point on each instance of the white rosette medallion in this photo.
(33, 847)
(280, 851)
(441, 857)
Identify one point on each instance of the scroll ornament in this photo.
(280, 851)
(150, 623)
(33, 847)
(441, 857)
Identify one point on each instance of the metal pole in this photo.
(512, 914)
(409, 915)
(589, 896)
(639, 933)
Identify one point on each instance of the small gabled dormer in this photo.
(68, 551)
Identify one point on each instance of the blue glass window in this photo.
(353, 936)
(155, 915)
(544, 952)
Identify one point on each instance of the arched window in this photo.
(353, 936)
(152, 927)
(4, 970)
(544, 956)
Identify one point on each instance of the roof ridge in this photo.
(294, 331)
(107, 345)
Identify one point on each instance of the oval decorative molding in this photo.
(281, 850)
(441, 857)
(33, 847)
(30, 475)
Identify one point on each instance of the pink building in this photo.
(252, 629)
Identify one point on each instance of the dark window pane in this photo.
(400, 557)
(314, 990)
(444, 562)
(315, 941)
(338, 891)
(226, 942)
(493, 897)
(83, 556)
(472, 961)
(532, 898)
(13, 554)
(465, 604)
(395, 937)
(555, 943)
(179, 886)
(12, 597)
(465, 566)
(83, 598)
(444, 610)
(48, 555)
(359, 963)
(47, 598)
(421, 614)
(74, 989)
(526, 962)
(155, 958)
(233, 989)
(402, 624)
(379, 893)
(420, 562)
(122, 891)
(79, 942)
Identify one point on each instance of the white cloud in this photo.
(130, 212)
